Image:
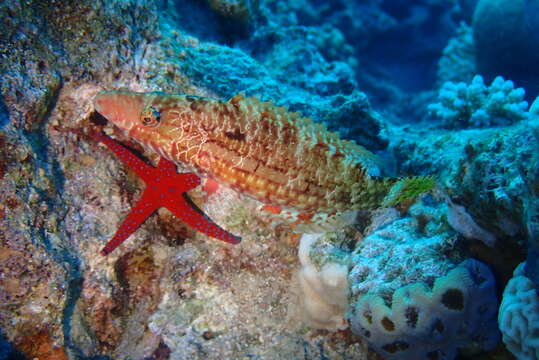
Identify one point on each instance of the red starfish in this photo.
(164, 188)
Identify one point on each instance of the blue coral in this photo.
(475, 105)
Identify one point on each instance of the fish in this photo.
(260, 150)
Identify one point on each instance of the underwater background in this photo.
(438, 88)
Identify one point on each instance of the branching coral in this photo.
(476, 105)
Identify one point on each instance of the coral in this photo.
(518, 317)
(171, 292)
(423, 323)
(476, 105)
(324, 288)
(49, 45)
(505, 37)
(457, 63)
(283, 65)
(32, 286)
(491, 172)
(399, 251)
(410, 293)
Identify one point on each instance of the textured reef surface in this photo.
(442, 92)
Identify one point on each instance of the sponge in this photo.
(324, 288)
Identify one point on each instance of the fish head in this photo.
(148, 118)
(121, 108)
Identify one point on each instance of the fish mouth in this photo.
(121, 108)
(100, 102)
(106, 103)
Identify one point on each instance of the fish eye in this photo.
(150, 117)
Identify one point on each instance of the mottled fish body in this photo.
(258, 149)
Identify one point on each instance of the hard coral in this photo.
(409, 296)
(519, 316)
(476, 105)
(423, 323)
(491, 172)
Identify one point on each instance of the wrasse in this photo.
(263, 151)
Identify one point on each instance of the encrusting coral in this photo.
(422, 323)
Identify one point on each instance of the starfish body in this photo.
(164, 188)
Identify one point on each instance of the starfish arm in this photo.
(200, 221)
(128, 158)
(167, 165)
(179, 183)
(142, 210)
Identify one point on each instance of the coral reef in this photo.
(419, 247)
(476, 105)
(410, 296)
(519, 316)
(359, 68)
(491, 172)
(325, 91)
